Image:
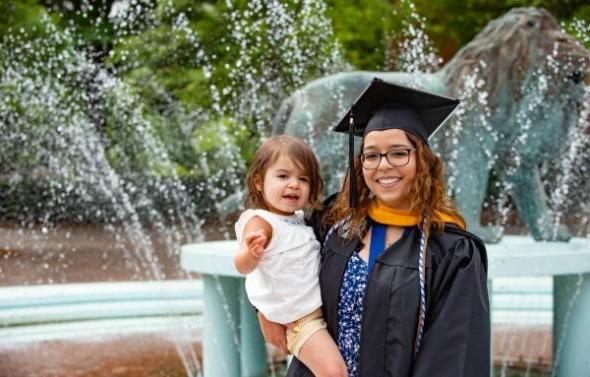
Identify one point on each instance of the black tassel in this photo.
(353, 200)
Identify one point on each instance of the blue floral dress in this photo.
(350, 311)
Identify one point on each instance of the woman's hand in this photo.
(274, 333)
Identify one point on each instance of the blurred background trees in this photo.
(205, 77)
(365, 29)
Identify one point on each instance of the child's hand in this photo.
(255, 243)
(257, 234)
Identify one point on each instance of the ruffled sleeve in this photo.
(249, 214)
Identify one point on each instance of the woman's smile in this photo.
(388, 181)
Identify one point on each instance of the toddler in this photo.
(280, 254)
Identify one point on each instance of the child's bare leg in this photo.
(321, 355)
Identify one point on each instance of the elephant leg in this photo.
(531, 203)
(470, 181)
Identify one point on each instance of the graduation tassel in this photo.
(422, 282)
(353, 200)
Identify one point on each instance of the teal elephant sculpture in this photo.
(521, 82)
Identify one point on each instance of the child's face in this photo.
(285, 187)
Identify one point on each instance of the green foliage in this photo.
(90, 21)
(215, 137)
(366, 28)
(32, 124)
(21, 16)
(453, 23)
(579, 25)
(163, 67)
(184, 63)
(158, 63)
(164, 60)
(362, 27)
(234, 61)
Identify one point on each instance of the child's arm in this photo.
(256, 237)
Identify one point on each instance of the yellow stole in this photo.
(396, 217)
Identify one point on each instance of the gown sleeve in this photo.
(456, 340)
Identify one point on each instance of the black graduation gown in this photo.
(456, 340)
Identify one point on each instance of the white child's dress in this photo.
(285, 285)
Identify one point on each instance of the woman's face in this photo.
(390, 184)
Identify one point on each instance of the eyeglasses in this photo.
(395, 157)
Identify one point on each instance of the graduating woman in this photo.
(403, 284)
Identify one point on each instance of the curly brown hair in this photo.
(428, 194)
(269, 152)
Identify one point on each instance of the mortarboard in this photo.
(383, 106)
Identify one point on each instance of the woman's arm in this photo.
(456, 341)
(273, 333)
(256, 237)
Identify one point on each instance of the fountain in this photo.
(88, 188)
(105, 172)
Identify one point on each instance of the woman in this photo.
(404, 286)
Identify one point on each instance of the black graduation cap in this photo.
(383, 105)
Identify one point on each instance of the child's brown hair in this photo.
(269, 152)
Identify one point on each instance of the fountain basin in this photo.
(522, 256)
(231, 336)
(568, 264)
(557, 285)
(68, 311)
